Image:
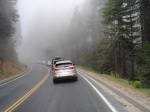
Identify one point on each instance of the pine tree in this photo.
(76, 33)
(121, 19)
(8, 18)
(145, 19)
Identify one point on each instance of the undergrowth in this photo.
(131, 84)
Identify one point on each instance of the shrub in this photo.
(130, 82)
(137, 84)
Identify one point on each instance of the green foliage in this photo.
(140, 71)
(1, 72)
(76, 34)
(100, 59)
(88, 69)
(119, 81)
(121, 20)
(8, 18)
(130, 82)
(137, 84)
(143, 65)
(145, 19)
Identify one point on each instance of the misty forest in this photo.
(109, 36)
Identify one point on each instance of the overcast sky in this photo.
(41, 20)
(54, 10)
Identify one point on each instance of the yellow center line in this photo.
(21, 100)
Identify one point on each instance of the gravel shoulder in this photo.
(132, 93)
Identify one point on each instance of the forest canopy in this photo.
(112, 37)
(8, 19)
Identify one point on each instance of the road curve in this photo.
(11, 92)
(66, 96)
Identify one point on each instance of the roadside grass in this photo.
(11, 69)
(118, 80)
(22, 66)
(1, 72)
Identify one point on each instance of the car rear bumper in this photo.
(65, 77)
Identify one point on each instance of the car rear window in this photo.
(54, 62)
(63, 65)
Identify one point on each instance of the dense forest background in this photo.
(110, 36)
(10, 37)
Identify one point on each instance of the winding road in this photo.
(36, 92)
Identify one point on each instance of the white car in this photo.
(64, 70)
(49, 63)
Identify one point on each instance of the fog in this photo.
(41, 22)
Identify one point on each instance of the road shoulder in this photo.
(132, 96)
(15, 76)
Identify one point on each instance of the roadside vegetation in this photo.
(111, 37)
(10, 69)
(134, 85)
(10, 38)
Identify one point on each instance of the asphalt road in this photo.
(66, 96)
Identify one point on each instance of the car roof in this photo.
(64, 61)
(57, 59)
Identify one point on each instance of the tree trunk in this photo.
(124, 69)
(146, 20)
(119, 58)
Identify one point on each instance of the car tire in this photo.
(54, 81)
(76, 79)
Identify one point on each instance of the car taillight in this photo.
(71, 67)
(56, 69)
(73, 74)
(56, 76)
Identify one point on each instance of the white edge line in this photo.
(16, 78)
(100, 94)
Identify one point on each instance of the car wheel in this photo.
(76, 79)
(54, 81)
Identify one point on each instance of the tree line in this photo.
(127, 28)
(8, 19)
(112, 37)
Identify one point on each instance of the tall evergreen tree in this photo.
(121, 19)
(145, 19)
(76, 33)
(8, 18)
